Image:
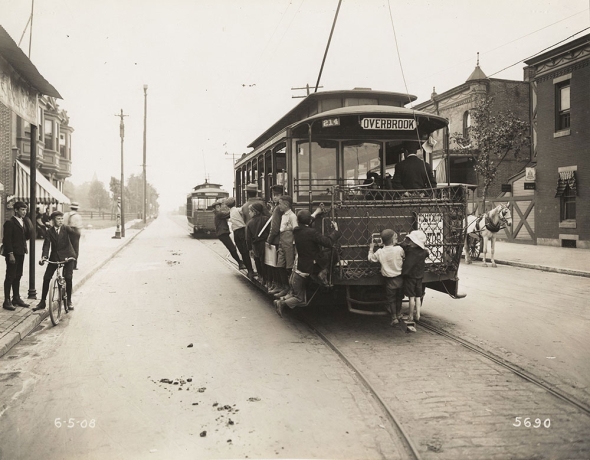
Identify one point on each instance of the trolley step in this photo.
(407, 326)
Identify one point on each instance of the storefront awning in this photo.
(566, 179)
(46, 192)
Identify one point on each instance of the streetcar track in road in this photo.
(407, 442)
(425, 439)
(508, 365)
(402, 433)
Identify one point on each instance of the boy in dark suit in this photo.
(58, 239)
(16, 234)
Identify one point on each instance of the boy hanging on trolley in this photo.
(58, 240)
(310, 261)
(391, 258)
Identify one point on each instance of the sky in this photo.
(220, 72)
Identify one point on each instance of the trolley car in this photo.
(339, 148)
(199, 208)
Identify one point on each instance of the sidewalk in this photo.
(97, 247)
(567, 261)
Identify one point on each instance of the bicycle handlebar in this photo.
(63, 262)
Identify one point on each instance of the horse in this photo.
(487, 226)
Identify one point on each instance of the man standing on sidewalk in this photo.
(16, 234)
(73, 219)
(58, 240)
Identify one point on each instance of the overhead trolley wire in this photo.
(503, 45)
(542, 51)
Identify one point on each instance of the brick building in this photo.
(560, 123)
(455, 105)
(24, 97)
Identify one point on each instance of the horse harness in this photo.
(489, 225)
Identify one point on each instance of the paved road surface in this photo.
(536, 319)
(285, 393)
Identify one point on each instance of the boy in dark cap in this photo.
(58, 239)
(16, 234)
(308, 242)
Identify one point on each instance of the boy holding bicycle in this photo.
(58, 240)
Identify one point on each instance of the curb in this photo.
(544, 268)
(34, 319)
(563, 271)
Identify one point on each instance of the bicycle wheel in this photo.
(55, 301)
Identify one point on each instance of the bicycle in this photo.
(57, 291)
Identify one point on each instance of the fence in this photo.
(107, 215)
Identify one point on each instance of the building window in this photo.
(567, 189)
(48, 134)
(40, 125)
(466, 124)
(562, 115)
(568, 204)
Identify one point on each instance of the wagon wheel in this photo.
(474, 246)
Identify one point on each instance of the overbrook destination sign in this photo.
(403, 124)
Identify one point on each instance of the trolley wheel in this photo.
(474, 246)
(55, 302)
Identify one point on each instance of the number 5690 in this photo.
(528, 424)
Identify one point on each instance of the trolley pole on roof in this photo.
(317, 85)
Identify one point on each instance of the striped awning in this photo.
(567, 179)
(47, 193)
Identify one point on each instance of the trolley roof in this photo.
(321, 102)
(208, 188)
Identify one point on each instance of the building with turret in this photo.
(451, 164)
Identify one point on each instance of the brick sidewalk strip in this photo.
(97, 247)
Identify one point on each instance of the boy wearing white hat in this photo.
(413, 270)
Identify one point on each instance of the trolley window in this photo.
(323, 168)
(360, 159)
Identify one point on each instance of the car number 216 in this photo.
(528, 423)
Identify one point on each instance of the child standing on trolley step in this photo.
(413, 270)
(391, 258)
(58, 240)
(286, 252)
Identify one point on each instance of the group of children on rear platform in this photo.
(304, 253)
(403, 267)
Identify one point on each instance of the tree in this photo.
(98, 195)
(491, 138)
(115, 187)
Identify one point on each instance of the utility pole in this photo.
(233, 162)
(122, 188)
(145, 87)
